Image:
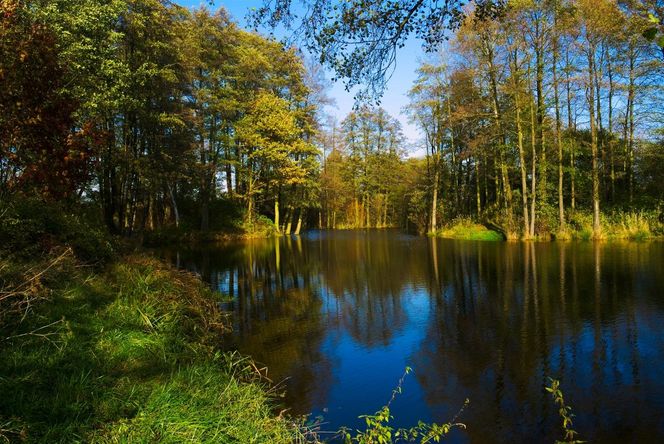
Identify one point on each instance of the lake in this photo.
(336, 316)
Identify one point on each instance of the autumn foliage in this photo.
(40, 149)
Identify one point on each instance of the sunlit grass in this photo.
(133, 361)
(636, 226)
(464, 228)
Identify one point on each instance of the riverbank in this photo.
(634, 226)
(125, 353)
(467, 229)
(261, 228)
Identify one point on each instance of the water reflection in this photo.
(339, 315)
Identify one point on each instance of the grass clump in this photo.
(465, 228)
(127, 354)
(637, 226)
(634, 226)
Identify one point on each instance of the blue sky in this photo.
(395, 96)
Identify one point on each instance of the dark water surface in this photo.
(337, 316)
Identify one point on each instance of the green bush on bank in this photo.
(466, 228)
(30, 227)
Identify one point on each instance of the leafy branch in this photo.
(565, 412)
(379, 431)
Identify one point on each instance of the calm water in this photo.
(337, 316)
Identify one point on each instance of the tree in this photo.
(39, 152)
(359, 39)
(429, 111)
(271, 141)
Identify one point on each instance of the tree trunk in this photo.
(498, 117)
(176, 212)
(533, 179)
(434, 199)
(276, 214)
(477, 187)
(289, 221)
(590, 91)
(612, 173)
(522, 157)
(299, 222)
(630, 121)
(559, 142)
(570, 126)
(539, 89)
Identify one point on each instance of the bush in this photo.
(30, 227)
(466, 228)
(261, 226)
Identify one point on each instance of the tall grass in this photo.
(638, 225)
(632, 226)
(131, 358)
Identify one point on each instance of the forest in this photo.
(130, 127)
(540, 121)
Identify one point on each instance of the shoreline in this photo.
(131, 354)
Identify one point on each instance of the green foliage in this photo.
(261, 226)
(272, 140)
(31, 227)
(365, 173)
(379, 431)
(466, 228)
(653, 32)
(358, 39)
(565, 412)
(38, 151)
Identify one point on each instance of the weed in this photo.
(565, 412)
(132, 360)
(379, 431)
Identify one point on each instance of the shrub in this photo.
(261, 226)
(466, 228)
(30, 227)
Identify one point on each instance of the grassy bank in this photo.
(636, 226)
(618, 225)
(123, 354)
(464, 228)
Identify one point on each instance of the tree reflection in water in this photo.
(339, 314)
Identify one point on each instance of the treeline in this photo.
(550, 110)
(155, 113)
(538, 121)
(362, 181)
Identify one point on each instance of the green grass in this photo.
(468, 230)
(130, 357)
(636, 226)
